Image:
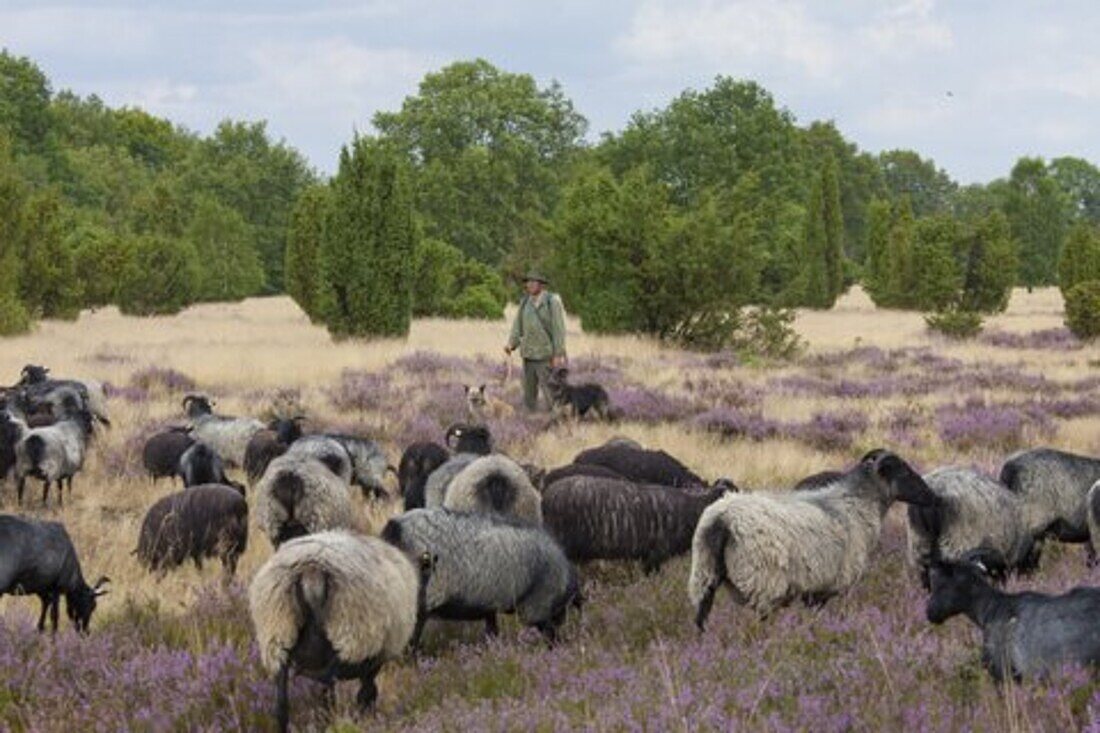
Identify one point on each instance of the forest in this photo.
(718, 204)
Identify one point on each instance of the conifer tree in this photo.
(303, 247)
(1080, 261)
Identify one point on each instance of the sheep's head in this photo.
(464, 438)
(898, 479)
(726, 485)
(955, 586)
(80, 604)
(197, 404)
(34, 374)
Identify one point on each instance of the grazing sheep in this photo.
(269, 444)
(1052, 485)
(227, 435)
(328, 451)
(37, 389)
(463, 438)
(598, 518)
(417, 463)
(485, 564)
(1093, 502)
(196, 523)
(299, 495)
(641, 465)
(495, 484)
(53, 454)
(1023, 634)
(368, 463)
(438, 483)
(774, 547)
(576, 401)
(578, 469)
(333, 606)
(11, 432)
(817, 480)
(480, 407)
(39, 558)
(974, 513)
(162, 451)
(199, 465)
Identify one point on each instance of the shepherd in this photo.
(539, 333)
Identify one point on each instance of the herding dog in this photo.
(577, 401)
(480, 406)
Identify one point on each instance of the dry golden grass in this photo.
(267, 343)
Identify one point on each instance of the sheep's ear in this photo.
(481, 389)
(466, 389)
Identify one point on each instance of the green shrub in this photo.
(160, 278)
(476, 301)
(1083, 309)
(956, 324)
(768, 332)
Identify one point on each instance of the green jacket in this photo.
(539, 330)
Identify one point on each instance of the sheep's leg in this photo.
(46, 601)
(368, 690)
(282, 704)
(418, 630)
(19, 488)
(549, 632)
(328, 694)
(46, 493)
(491, 628)
(55, 609)
(705, 604)
(69, 481)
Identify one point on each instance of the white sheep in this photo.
(299, 495)
(54, 453)
(227, 435)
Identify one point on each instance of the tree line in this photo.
(717, 204)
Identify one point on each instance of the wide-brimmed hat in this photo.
(536, 276)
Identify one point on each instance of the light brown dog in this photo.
(480, 407)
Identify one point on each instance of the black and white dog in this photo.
(578, 401)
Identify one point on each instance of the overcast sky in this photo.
(973, 84)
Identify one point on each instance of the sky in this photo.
(970, 83)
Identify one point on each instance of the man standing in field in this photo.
(539, 332)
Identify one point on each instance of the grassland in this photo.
(177, 654)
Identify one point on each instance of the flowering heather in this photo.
(737, 424)
(1048, 339)
(830, 431)
(154, 378)
(722, 392)
(361, 391)
(129, 393)
(1006, 427)
(640, 404)
(426, 363)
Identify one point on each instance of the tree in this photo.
(100, 257)
(369, 244)
(823, 252)
(907, 175)
(1080, 260)
(160, 278)
(223, 241)
(1079, 181)
(937, 278)
(1037, 212)
(302, 276)
(49, 286)
(989, 265)
(488, 148)
(895, 291)
(24, 103)
(14, 317)
(877, 271)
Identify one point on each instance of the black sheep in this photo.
(208, 521)
(39, 558)
(641, 465)
(162, 451)
(578, 469)
(464, 438)
(267, 445)
(200, 464)
(417, 463)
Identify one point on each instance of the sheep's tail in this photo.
(708, 566)
(312, 591)
(498, 493)
(1011, 475)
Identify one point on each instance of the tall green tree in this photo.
(1080, 257)
(1079, 181)
(24, 103)
(823, 252)
(989, 265)
(877, 271)
(899, 258)
(1038, 214)
(489, 148)
(159, 278)
(48, 286)
(369, 244)
(229, 266)
(302, 275)
(907, 175)
(937, 277)
(14, 317)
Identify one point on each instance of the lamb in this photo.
(266, 445)
(227, 435)
(417, 463)
(598, 518)
(333, 606)
(200, 465)
(1053, 485)
(53, 454)
(38, 388)
(497, 484)
(39, 558)
(641, 465)
(162, 451)
(974, 513)
(485, 564)
(209, 521)
(774, 547)
(1024, 635)
(299, 495)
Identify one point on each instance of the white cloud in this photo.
(906, 29)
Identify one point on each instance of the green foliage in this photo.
(1079, 182)
(928, 189)
(159, 278)
(1038, 214)
(223, 242)
(989, 264)
(24, 102)
(14, 317)
(955, 324)
(767, 332)
(302, 275)
(100, 257)
(1083, 309)
(1080, 260)
(48, 284)
(936, 278)
(369, 245)
(447, 283)
(822, 271)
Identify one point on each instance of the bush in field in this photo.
(160, 278)
(1080, 260)
(767, 332)
(447, 283)
(1083, 309)
(955, 324)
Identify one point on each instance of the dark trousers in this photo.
(536, 372)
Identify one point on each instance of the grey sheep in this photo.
(11, 432)
(366, 463)
(38, 388)
(227, 435)
(640, 465)
(771, 548)
(974, 513)
(435, 488)
(326, 450)
(497, 484)
(39, 559)
(333, 606)
(299, 495)
(1093, 503)
(599, 518)
(200, 522)
(485, 564)
(1024, 635)
(269, 444)
(417, 463)
(200, 464)
(1052, 485)
(817, 480)
(53, 454)
(161, 453)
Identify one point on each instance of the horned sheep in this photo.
(53, 454)
(227, 435)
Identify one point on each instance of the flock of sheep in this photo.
(482, 535)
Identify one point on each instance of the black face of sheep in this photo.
(905, 484)
(726, 485)
(463, 438)
(80, 604)
(955, 588)
(195, 405)
(287, 430)
(34, 374)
